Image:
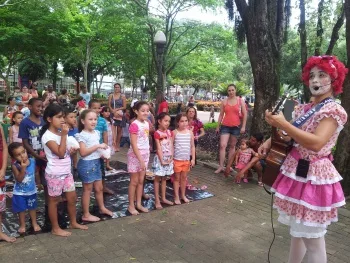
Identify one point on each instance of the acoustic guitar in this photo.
(278, 152)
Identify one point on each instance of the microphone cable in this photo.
(273, 230)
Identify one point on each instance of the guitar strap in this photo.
(301, 120)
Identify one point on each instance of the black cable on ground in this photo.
(273, 230)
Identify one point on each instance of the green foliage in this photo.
(241, 88)
(210, 125)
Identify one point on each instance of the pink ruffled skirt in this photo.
(308, 208)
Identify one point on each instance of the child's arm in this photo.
(84, 151)
(30, 150)
(105, 137)
(193, 151)
(20, 174)
(4, 156)
(237, 156)
(10, 134)
(60, 150)
(159, 151)
(255, 154)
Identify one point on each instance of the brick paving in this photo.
(233, 226)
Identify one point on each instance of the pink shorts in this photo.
(134, 163)
(56, 184)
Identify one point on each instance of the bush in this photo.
(210, 125)
(204, 105)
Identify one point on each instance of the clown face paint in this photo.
(320, 82)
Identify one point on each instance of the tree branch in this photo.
(335, 32)
(243, 9)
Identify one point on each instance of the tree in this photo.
(165, 18)
(22, 38)
(264, 25)
(342, 160)
(34, 67)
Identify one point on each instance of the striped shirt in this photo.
(182, 146)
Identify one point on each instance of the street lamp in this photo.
(143, 88)
(160, 41)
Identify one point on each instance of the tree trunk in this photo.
(319, 31)
(265, 67)
(54, 75)
(303, 45)
(342, 160)
(264, 24)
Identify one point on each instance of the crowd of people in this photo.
(56, 141)
(48, 148)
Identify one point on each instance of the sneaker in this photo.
(245, 180)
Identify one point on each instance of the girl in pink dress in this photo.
(243, 157)
(308, 190)
(16, 120)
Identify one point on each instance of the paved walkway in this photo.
(233, 226)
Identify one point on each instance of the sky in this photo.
(221, 16)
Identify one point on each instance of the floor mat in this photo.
(118, 203)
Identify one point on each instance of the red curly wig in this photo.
(329, 64)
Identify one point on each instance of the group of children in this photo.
(44, 150)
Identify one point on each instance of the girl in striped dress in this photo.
(183, 149)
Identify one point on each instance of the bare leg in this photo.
(164, 200)
(119, 136)
(134, 178)
(139, 192)
(22, 222)
(56, 230)
(252, 162)
(176, 185)
(108, 165)
(71, 202)
(98, 187)
(297, 250)
(183, 182)
(85, 203)
(32, 215)
(3, 236)
(224, 138)
(156, 192)
(233, 142)
(230, 164)
(259, 170)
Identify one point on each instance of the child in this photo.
(3, 162)
(17, 94)
(89, 165)
(183, 149)
(101, 126)
(138, 156)
(9, 110)
(29, 133)
(125, 136)
(163, 160)
(24, 191)
(71, 121)
(16, 120)
(243, 157)
(111, 137)
(58, 170)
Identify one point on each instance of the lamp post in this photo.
(143, 88)
(160, 41)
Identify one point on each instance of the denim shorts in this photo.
(21, 203)
(89, 171)
(234, 130)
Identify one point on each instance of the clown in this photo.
(307, 190)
